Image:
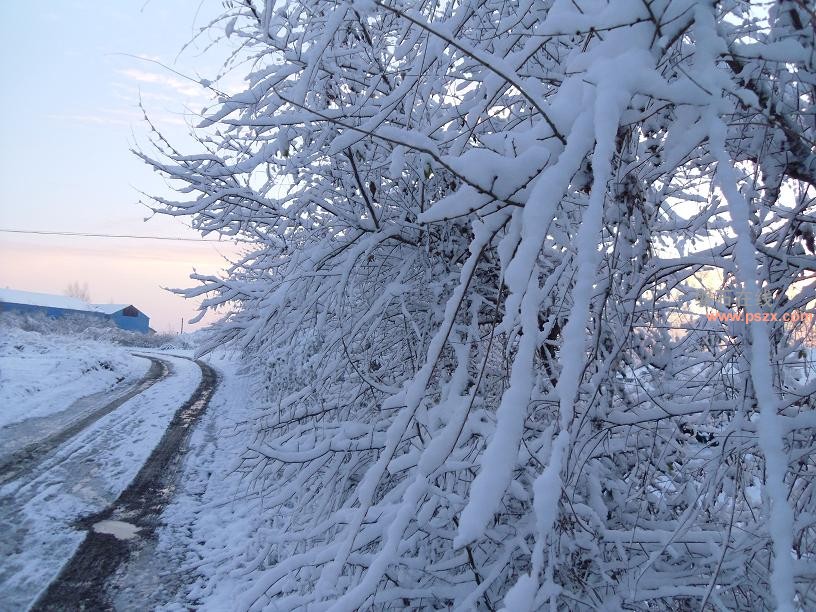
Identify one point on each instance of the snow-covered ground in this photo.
(42, 374)
(38, 515)
(208, 549)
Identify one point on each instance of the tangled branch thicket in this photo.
(481, 232)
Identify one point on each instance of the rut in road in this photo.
(31, 455)
(81, 585)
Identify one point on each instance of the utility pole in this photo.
(182, 326)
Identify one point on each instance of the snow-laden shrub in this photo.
(482, 232)
(90, 327)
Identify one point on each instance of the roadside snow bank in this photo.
(41, 374)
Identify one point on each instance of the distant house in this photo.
(124, 316)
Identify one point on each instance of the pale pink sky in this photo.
(117, 272)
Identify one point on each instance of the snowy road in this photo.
(28, 442)
(49, 506)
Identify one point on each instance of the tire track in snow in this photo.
(22, 461)
(118, 531)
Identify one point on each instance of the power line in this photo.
(91, 235)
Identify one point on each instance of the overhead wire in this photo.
(100, 235)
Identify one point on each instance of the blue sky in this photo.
(68, 117)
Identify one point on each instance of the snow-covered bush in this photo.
(90, 327)
(483, 229)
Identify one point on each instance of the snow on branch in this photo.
(504, 262)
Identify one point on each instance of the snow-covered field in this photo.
(42, 374)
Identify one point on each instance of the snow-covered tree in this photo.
(79, 291)
(481, 234)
